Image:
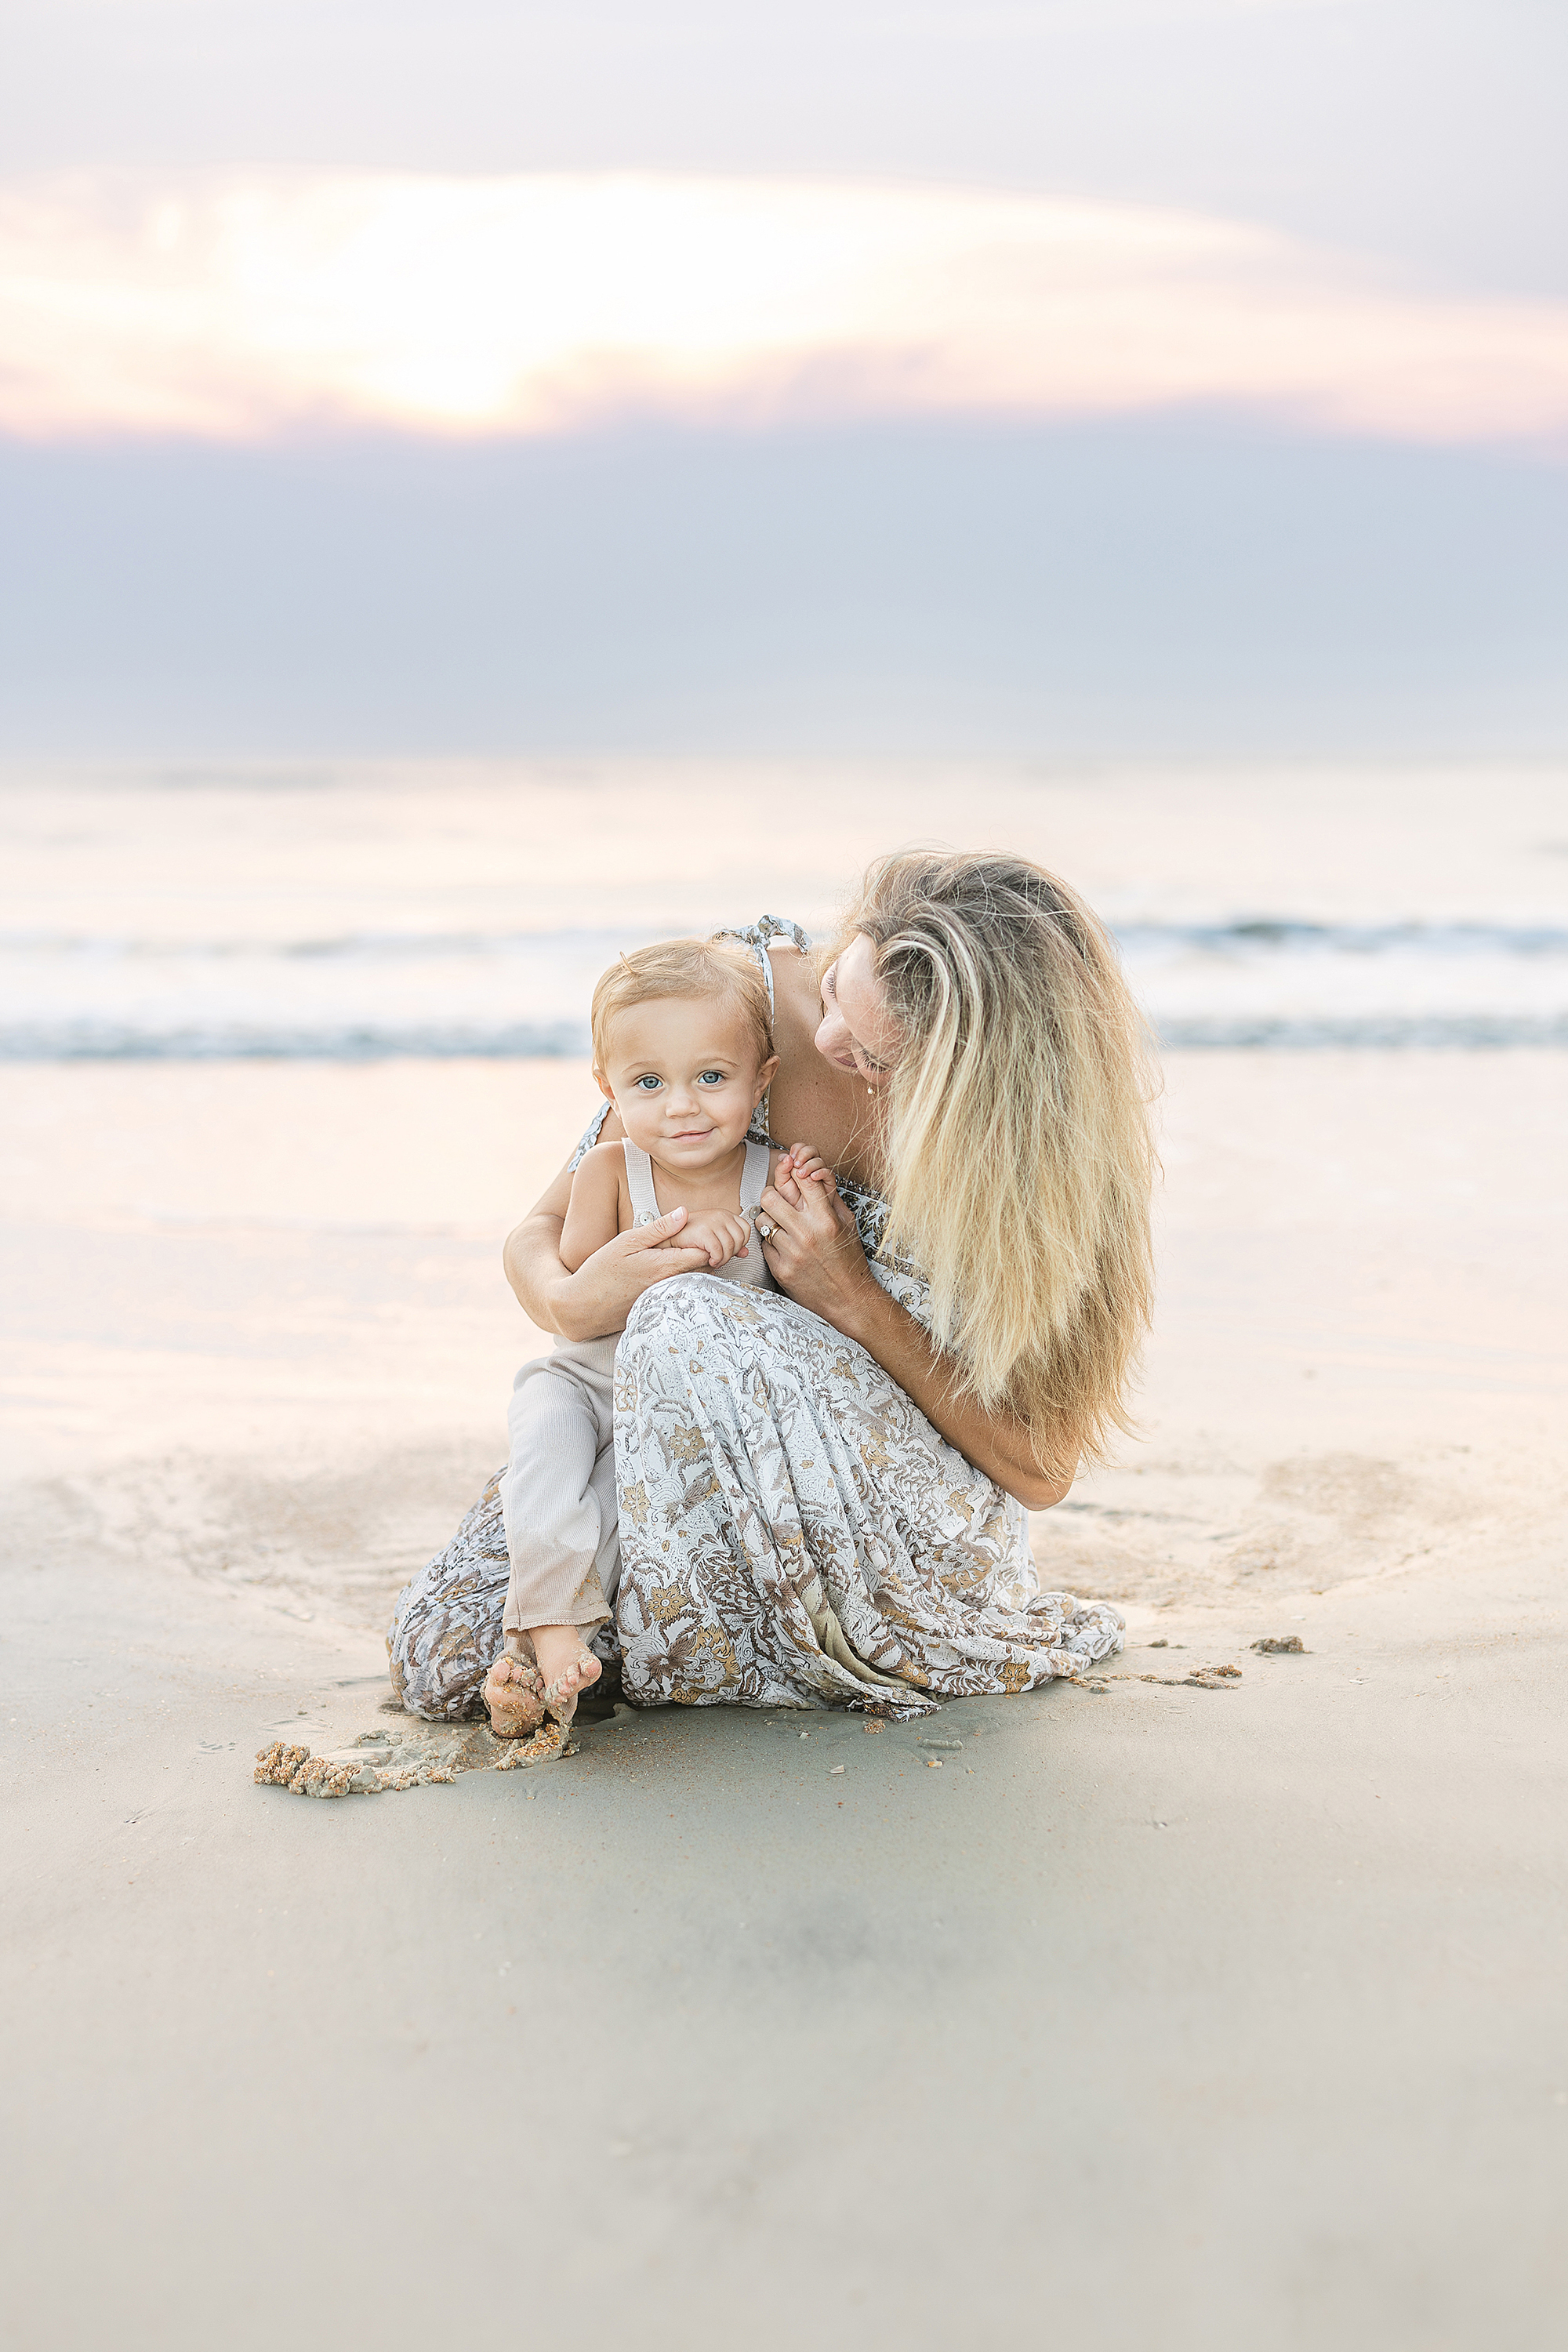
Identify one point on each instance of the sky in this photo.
(1147, 376)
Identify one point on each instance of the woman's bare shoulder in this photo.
(797, 981)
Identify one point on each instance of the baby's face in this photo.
(684, 1075)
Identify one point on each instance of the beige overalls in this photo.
(558, 1490)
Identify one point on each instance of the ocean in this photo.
(360, 910)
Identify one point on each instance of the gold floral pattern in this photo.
(803, 1537)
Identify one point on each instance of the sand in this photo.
(1219, 2010)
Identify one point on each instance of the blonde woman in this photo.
(823, 1491)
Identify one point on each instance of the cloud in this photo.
(247, 309)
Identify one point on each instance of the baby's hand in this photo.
(806, 1166)
(721, 1233)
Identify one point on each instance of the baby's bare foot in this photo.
(566, 1666)
(514, 1694)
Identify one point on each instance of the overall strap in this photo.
(754, 1177)
(639, 1184)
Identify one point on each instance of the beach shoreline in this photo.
(1228, 2013)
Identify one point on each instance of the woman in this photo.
(823, 1495)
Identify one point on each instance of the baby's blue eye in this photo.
(711, 1079)
(649, 1083)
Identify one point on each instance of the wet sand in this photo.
(1230, 2016)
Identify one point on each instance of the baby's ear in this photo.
(765, 1078)
(602, 1082)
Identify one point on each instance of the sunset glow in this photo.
(241, 309)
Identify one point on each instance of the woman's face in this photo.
(858, 1033)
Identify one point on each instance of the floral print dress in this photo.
(793, 1531)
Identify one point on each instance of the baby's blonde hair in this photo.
(687, 968)
(1020, 1159)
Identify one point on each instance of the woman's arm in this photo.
(601, 1294)
(815, 1255)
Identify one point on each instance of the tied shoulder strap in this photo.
(755, 936)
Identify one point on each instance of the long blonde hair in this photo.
(1020, 1159)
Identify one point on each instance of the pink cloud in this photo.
(243, 309)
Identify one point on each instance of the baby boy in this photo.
(683, 1048)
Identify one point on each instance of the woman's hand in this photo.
(815, 1255)
(813, 1252)
(599, 1297)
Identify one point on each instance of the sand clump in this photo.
(378, 1761)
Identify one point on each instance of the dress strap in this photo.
(756, 936)
(754, 1177)
(639, 1184)
(589, 1137)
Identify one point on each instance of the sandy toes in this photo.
(567, 1666)
(515, 1696)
